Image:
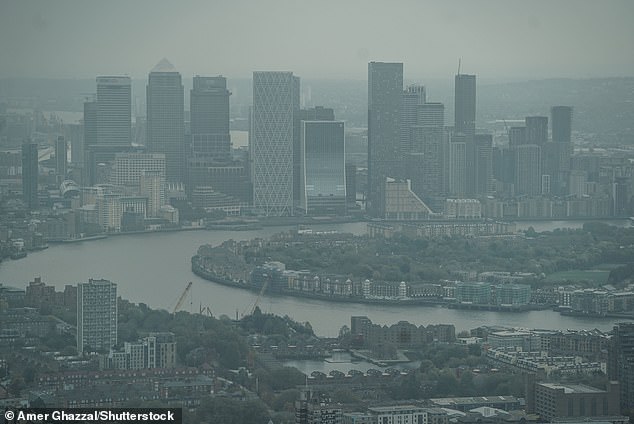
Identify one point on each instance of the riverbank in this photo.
(154, 268)
(539, 224)
(199, 269)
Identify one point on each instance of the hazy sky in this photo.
(318, 38)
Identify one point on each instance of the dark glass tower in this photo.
(465, 105)
(464, 116)
(561, 118)
(322, 170)
(165, 120)
(30, 175)
(209, 106)
(536, 130)
(385, 98)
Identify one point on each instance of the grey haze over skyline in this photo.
(508, 39)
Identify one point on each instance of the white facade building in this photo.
(275, 104)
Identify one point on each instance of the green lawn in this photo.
(595, 275)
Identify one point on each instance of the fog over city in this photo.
(317, 211)
(507, 39)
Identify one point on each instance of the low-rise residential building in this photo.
(400, 414)
(158, 350)
(542, 364)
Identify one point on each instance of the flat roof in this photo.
(572, 388)
(473, 400)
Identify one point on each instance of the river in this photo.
(154, 268)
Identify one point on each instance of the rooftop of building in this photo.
(394, 408)
(473, 400)
(164, 66)
(572, 388)
(510, 333)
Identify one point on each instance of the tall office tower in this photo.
(152, 186)
(620, 196)
(107, 123)
(128, 167)
(465, 105)
(165, 120)
(537, 134)
(517, 136)
(536, 130)
(30, 173)
(527, 170)
(61, 158)
(209, 107)
(484, 163)
(561, 121)
(351, 183)
(457, 176)
(96, 316)
(385, 98)
(507, 157)
(464, 116)
(323, 169)
(425, 160)
(621, 361)
(75, 135)
(317, 113)
(114, 112)
(413, 96)
(90, 143)
(275, 107)
(430, 115)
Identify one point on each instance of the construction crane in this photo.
(205, 310)
(257, 300)
(182, 298)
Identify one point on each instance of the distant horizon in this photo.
(407, 80)
(500, 39)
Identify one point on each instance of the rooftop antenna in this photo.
(459, 60)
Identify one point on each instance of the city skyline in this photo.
(500, 39)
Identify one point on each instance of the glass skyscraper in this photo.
(165, 121)
(275, 105)
(30, 172)
(209, 106)
(114, 112)
(322, 171)
(385, 101)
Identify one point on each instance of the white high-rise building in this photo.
(128, 167)
(275, 105)
(165, 120)
(96, 316)
(152, 186)
(109, 211)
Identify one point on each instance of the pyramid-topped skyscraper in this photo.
(165, 121)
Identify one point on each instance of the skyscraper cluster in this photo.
(408, 140)
(296, 158)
